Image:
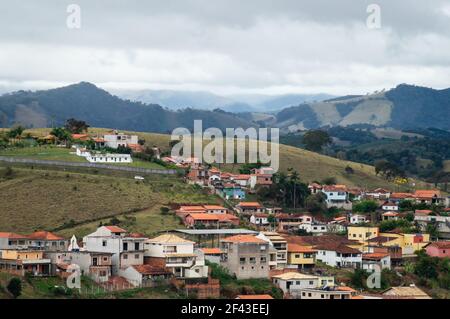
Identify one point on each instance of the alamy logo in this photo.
(74, 279)
(211, 146)
(374, 280)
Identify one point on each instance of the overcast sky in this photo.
(226, 47)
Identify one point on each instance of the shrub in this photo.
(15, 287)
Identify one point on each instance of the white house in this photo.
(372, 260)
(127, 249)
(259, 219)
(120, 139)
(145, 275)
(178, 255)
(390, 206)
(358, 219)
(339, 255)
(109, 158)
(337, 196)
(314, 228)
(97, 157)
(291, 281)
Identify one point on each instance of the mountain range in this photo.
(403, 107)
(237, 103)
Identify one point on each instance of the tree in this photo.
(15, 287)
(61, 134)
(315, 140)
(16, 132)
(75, 126)
(366, 206)
(329, 181)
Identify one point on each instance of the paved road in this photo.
(88, 165)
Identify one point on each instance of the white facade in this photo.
(109, 158)
(357, 219)
(126, 251)
(335, 259)
(289, 282)
(390, 207)
(314, 228)
(259, 220)
(179, 255)
(371, 265)
(119, 139)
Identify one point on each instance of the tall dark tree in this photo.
(315, 140)
(76, 126)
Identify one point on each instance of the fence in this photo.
(88, 165)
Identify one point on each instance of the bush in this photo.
(15, 287)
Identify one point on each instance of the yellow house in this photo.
(362, 233)
(301, 256)
(22, 254)
(21, 261)
(409, 243)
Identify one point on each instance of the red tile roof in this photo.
(441, 244)
(211, 251)
(244, 239)
(249, 204)
(44, 235)
(337, 247)
(115, 229)
(12, 235)
(295, 248)
(374, 256)
(401, 195)
(151, 270)
(427, 194)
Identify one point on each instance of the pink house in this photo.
(439, 249)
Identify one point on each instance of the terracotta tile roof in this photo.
(244, 239)
(211, 251)
(191, 208)
(295, 248)
(79, 136)
(401, 195)
(151, 270)
(214, 207)
(337, 247)
(382, 239)
(427, 194)
(441, 244)
(203, 216)
(380, 190)
(241, 177)
(254, 297)
(115, 229)
(345, 288)
(390, 214)
(249, 204)
(136, 235)
(44, 235)
(424, 212)
(374, 256)
(12, 235)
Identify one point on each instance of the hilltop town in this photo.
(266, 235)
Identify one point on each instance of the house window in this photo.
(125, 256)
(252, 260)
(136, 256)
(242, 260)
(311, 282)
(125, 246)
(104, 243)
(136, 246)
(263, 260)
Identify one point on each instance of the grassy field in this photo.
(50, 152)
(311, 166)
(43, 288)
(47, 199)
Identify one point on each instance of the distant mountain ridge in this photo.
(237, 103)
(404, 107)
(99, 108)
